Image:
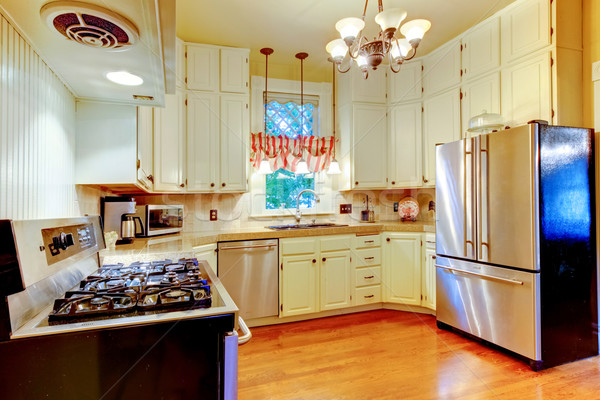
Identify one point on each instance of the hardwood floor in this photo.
(389, 354)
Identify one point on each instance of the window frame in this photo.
(323, 182)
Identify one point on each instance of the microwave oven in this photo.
(158, 219)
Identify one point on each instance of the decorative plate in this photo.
(408, 209)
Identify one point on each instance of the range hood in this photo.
(82, 41)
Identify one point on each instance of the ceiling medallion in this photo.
(369, 54)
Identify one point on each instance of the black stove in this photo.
(117, 289)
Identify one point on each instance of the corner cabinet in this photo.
(234, 146)
(402, 268)
(405, 146)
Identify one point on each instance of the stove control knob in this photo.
(63, 241)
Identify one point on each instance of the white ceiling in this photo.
(292, 26)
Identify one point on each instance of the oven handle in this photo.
(496, 278)
(247, 247)
(247, 335)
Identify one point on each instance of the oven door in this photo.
(163, 219)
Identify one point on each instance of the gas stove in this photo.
(142, 286)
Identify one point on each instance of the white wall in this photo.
(37, 134)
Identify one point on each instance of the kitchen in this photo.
(39, 180)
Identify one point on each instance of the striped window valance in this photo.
(284, 152)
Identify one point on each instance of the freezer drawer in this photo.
(493, 303)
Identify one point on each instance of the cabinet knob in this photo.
(150, 178)
(223, 184)
(212, 185)
(425, 180)
(393, 182)
(182, 185)
(387, 240)
(324, 259)
(356, 183)
(314, 260)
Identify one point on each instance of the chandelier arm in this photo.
(343, 71)
(413, 54)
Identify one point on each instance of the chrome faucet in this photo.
(298, 213)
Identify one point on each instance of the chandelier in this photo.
(368, 54)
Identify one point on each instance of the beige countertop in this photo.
(185, 242)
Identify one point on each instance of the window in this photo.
(283, 186)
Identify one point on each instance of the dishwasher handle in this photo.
(247, 247)
(247, 335)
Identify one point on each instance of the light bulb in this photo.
(349, 28)
(334, 168)
(124, 78)
(415, 29)
(302, 167)
(390, 18)
(338, 49)
(265, 168)
(362, 62)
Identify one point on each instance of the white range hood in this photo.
(82, 41)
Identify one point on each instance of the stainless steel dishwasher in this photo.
(248, 270)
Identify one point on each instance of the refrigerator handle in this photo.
(483, 199)
(469, 249)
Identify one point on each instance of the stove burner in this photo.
(173, 294)
(99, 301)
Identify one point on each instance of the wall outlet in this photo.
(345, 208)
(213, 215)
(396, 207)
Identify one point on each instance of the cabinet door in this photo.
(336, 279)
(479, 96)
(370, 90)
(441, 69)
(202, 68)
(526, 91)
(144, 147)
(428, 286)
(169, 144)
(234, 70)
(481, 49)
(441, 124)
(299, 285)
(235, 135)
(369, 146)
(402, 266)
(525, 28)
(405, 145)
(406, 85)
(207, 253)
(202, 141)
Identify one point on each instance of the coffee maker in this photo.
(118, 215)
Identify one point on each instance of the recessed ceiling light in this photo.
(124, 78)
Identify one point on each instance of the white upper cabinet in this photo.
(202, 141)
(406, 85)
(441, 68)
(481, 49)
(405, 145)
(202, 67)
(169, 144)
(525, 28)
(441, 124)
(369, 146)
(144, 147)
(180, 63)
(478, 96)
(235, 138)
(526, 91)
(354, 88)
(234, 70)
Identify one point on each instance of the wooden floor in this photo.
(395, 355)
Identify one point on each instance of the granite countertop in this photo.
(185, 242)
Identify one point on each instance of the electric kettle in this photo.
(128, 230)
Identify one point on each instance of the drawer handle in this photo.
(369, 258)
(369, 241)
(369, 296)
(369, 277)
(491, 277)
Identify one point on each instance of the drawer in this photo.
(368, 295)
(335, 243)
(366, 257)
(430, 240)
(368, 276)
(367, 241)
(298, 246)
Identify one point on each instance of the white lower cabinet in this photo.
(366, 257)
(208, 253)
(402, 268)
(428, 273)
(315, 274)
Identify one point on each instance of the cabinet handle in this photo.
(369, 241)
(324, 259)
(425, 180)
(182, 185)
(369, 277)
(387, 240)
(369, 258)
(223, 184)
(212, 185)
(369, 296)
(314, 260)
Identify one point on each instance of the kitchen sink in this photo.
(305, 226)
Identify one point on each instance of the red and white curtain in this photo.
(283, 152)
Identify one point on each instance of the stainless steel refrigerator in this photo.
(516, 241)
